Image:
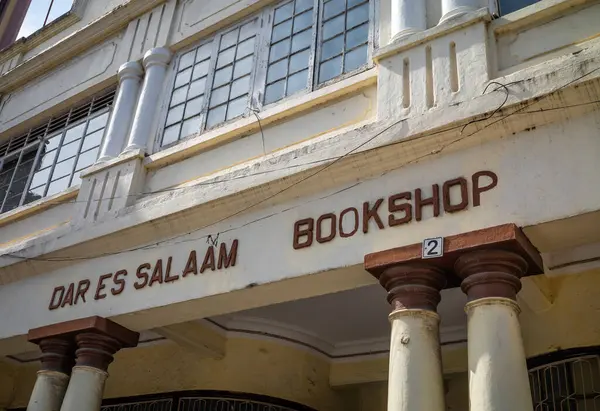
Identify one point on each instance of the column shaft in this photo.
(455, 8)
(53, 377)
(85, 389)
(130, 75)
(497, 363)
(155, 63)
(415, 370)
(498, 379)
(408, 17)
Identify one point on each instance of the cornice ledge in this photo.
(90, 35)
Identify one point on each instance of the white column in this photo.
(408, 17)
(85, 389)
(455, 8)
(155, 63)
(498, 378)
(130, 76)
(415, 370)
(53, 377)
(48, 391)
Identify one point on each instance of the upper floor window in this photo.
(293, 47)
(42, 12)
(49, 158)
(508, 6)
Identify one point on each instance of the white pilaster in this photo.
(455, 8)
(155, 63)
(85, 390)
(415, 370)
(408, 17)
(498, 379)
(130, 75)
(48, 391)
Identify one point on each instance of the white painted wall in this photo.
(531, 189)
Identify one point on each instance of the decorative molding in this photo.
(77, 42)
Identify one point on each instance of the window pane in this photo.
(247, 30)
(191, 126)
(171, 134)
(303, 21)
(58, 186)
(97, 123)
(229, 39)
(284, 12)
(219, 96)
(68, 150)
(332, 47)
(279, 50)
(330, 69)
(275, 92)
(242, 67)
(356, 36)
(226, 57)
(299, 61)
(41, 177)
(86, 159)
(355, 58)
(175, 115)
(53, 142)
(216, 116)
(297, 82)
(59, 7)
(197, 88)
(36, 15)
(301, 40)
(203, 52)
(508, 6)
(358, 15)
(183, 77)
(222, 76)
(74, 134)
(239, 87)
(178, 96)
(63, 169)
(48, 158)
(236, 107)
(187, 60)
(277, 71)
(333, 27)
(333, 8)
(92, 140)
(200, 70)
(245, 48)
(302, 5)
(194, 107)
(281, 31)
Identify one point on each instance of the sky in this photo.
(34, 19)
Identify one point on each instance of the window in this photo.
(41, 13)
(48, 159)
(293, 47)
(508, 6)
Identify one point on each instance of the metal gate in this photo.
(568, 385)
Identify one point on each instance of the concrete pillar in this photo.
(94, 354)
(415, 371)
(130, 76)
(498, 378)
(408, 17)
(455, 8)
(53, 377)
(155, 63)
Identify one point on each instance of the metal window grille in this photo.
(569, 385)
(292, 47)
(156, 405)
(48, 158)
(226, 404)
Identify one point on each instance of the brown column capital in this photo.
(491, 273)
(413, 286)
(58, 354)
(96, 350)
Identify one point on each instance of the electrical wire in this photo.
(335, 160)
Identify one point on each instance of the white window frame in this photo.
(259, 70)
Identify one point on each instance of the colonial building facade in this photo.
(330, 205)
